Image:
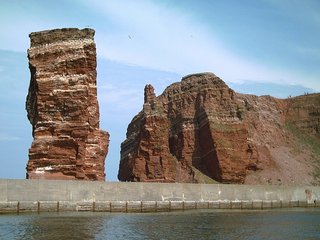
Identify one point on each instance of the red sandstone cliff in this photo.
(200, 130)
(62, 107)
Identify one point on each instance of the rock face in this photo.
(304, 112)
(200, 130)
(62, 107)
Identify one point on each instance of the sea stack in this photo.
(62, 107)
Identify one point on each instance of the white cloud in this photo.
(155, 36)
(159, 38)
(151, 34)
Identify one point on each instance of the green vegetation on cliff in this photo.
(310, 141)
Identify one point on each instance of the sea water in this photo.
(213, 224)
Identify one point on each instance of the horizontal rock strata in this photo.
(62, 107)
(200, 130)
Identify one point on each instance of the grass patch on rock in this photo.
(310, 141)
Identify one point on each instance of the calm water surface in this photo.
(274, 224)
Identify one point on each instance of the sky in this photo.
(262, 47)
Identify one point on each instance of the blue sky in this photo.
(256, 46)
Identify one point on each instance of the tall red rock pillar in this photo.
(62, 107)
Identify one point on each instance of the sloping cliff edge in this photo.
(201, 131)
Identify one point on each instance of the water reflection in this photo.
(279, 224)
(52, 226)
(298, 224)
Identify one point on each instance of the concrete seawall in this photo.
(56, 195)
